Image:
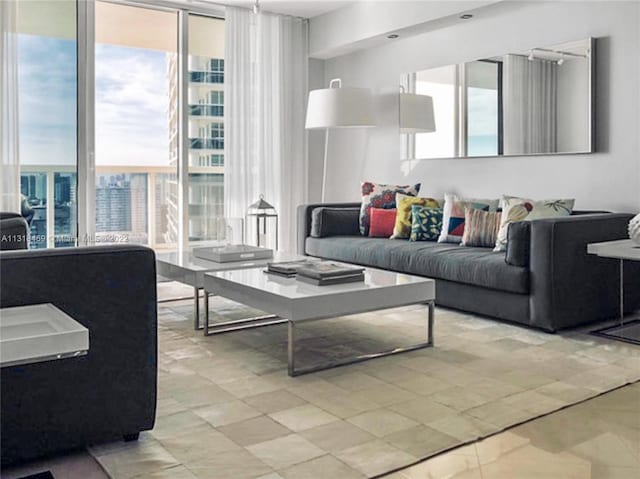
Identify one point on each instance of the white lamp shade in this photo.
(416, 113)
(340, 107)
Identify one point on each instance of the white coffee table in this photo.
(294, 301)
(187, 269)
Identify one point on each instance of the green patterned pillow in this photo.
(426, 223)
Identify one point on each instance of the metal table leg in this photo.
(621, 292)
(196, 309)
(291, 363)
(235, 324)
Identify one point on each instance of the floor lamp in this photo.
(337, 107)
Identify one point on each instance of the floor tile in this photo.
(344, 404)
(421, 441)
(226, 413)
(253, 431)
(423, 410)
(196, 443)
(234, 464)
(250, 386)
(202, 396)
(375, 457)
(498, 413)
(464, 428)
(325, 467)
(168, 426)
(147, 459)
(336, 436)
(274, 401)
(303, 417)
(381, 422)
(286, 451)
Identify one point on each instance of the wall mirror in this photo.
(534, 102)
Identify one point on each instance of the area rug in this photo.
(226, 407)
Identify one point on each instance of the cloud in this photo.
(131, 103)
(131, 106)
(47, 100)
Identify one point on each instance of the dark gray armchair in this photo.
(108, 394)
(14, 231)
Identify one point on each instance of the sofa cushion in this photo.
(329, 221)
(468, 265)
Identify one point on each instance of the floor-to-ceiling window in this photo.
(159, 155)
(47, 120)
(134, 155)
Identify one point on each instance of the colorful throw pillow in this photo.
(381, 223)
(404, 203)
(520, 209)
(426, 223)
(453, 216)
(376, 195)
(480, 227)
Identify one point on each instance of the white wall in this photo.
(607, 179)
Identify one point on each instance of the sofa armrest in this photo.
(110, 392)
(13, 233)
(569, 286)
(305, 219)
(4, 215)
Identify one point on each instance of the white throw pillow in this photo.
(453, 215)
(521, 209)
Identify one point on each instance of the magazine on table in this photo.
(341, 279)
(287, 268)
(327, 269)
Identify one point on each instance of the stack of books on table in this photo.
(287, 269)
(322, 273)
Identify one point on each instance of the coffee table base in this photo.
(236, 324)
(357, 359)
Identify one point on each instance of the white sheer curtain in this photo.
(265, 94)
(10, 165)
(530, 91)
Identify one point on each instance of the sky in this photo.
(131, 104)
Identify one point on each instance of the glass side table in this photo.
(39, 332)
(628, 329)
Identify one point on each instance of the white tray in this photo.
(39, 332)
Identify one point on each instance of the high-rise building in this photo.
(113, 205)
(205, 129)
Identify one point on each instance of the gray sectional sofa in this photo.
(545, 280)
(108, 394)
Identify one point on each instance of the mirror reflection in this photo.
(526, 103)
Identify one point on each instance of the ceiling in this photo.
(298, 8)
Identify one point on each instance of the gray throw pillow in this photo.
(328, 221)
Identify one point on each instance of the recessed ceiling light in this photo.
(393, 35)
(466, 16)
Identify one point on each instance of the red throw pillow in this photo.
(382, 222)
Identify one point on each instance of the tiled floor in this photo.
(228, 409)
